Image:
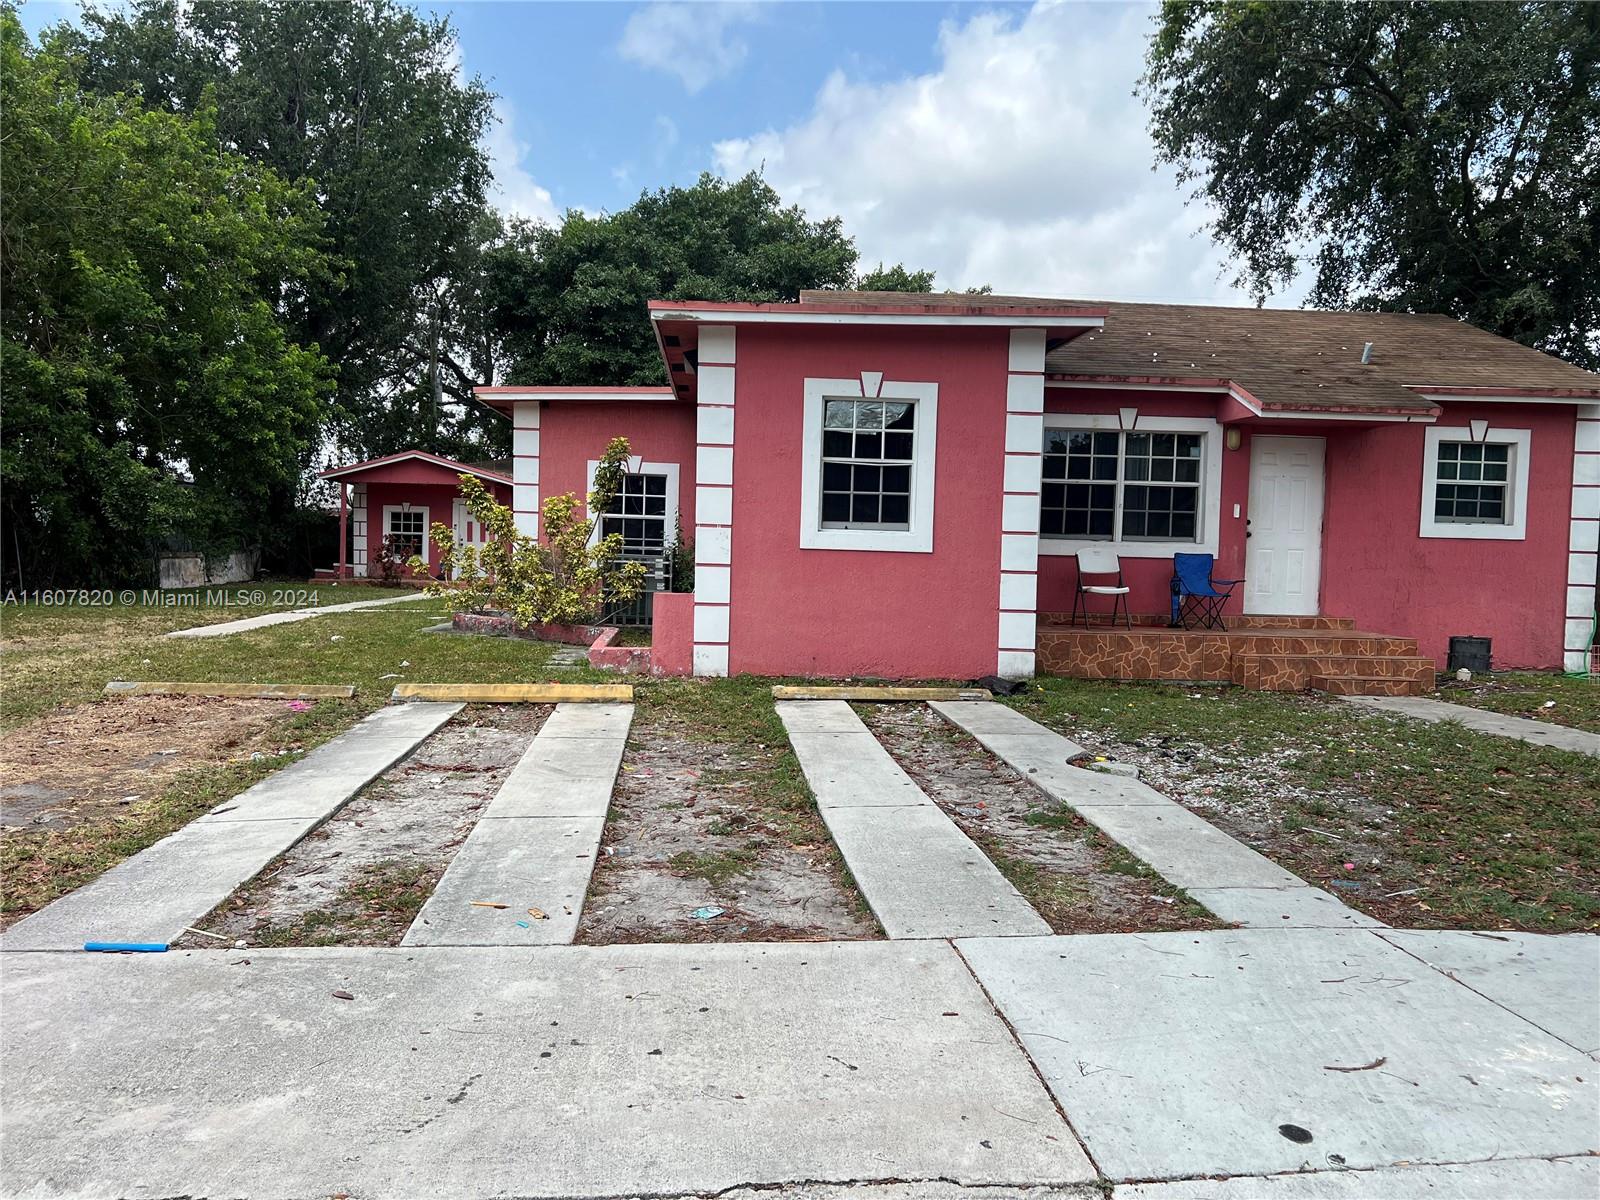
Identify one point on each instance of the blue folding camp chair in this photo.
(1195, 595)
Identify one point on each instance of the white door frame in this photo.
(1312, 605)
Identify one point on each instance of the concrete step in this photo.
(1293, 672)
(1367, 685)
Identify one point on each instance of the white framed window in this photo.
(644, 511)
(868, 473)
(405, 529)
(1475, 482)
(1150, 491)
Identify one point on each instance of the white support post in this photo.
(713, 530)
(525, 466)
(1019, 511)
(1583, 545)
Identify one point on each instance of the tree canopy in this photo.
(1436, 157)
(362, 101)
(570, 299)
(152, 387)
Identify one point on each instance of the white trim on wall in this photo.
(713, 530)
(918, 539)
(1515, 529)
(1210, 508)
(1018, 615)
(525, 467)
(1583, 542)
(358, 530)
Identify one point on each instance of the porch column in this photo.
(1583, 546)
(713, 504)
(344, 542)
(1019, 505)
(525, 466)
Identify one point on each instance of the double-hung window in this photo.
(867, 458)
(1113, 485)
(638, 514)
(405, 530)
(868, 447)
(1475, 483)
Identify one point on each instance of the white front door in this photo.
(1283, 557)
(465, 527)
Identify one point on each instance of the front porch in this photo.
(1263, 653)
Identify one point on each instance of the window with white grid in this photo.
(406, 529)
(1475, 482)
(638, 514)
(868, 451)
(1115, 486)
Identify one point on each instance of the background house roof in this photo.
(499, 472)
(1291, 359)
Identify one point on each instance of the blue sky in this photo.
(994, 143)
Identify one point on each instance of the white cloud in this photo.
(514, 191)
(695, 42)
(1022, 162)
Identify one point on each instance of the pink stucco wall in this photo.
(1150, 578)
(1375, 568)
(846, 612)
(574, 433)
(437, 498)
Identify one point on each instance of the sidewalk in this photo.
(245, 624)
(682, 1070)
(1539, 733)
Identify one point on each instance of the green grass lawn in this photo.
(51, 656)
(1470, 830)
(1544, 695)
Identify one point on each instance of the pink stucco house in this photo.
(898, 485)
(400, 497)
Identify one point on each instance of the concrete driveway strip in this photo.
(536, 844)
(1252, 1052)
(921, 876)
(1539, 733)
(156, 894)
(565, 1071)
(288, 617)
(1229, 878)
(1517, 1179)
(1552, 980)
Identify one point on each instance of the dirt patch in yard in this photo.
(360, 878)
(1419, 825)
(91, 760)
(1079, 880)
(710, 816)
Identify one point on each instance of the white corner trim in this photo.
(1516, 528)
(916, 540)
(1211, 453)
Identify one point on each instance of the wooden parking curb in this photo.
(880, 694)
(234, 691)
(515, 693)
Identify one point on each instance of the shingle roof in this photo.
(1294, 358)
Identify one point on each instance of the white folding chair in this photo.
(1100, 564)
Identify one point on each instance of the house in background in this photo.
(399, 497)
(897, 486)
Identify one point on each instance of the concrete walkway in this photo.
(288, 617)
(535, 845)
(1226, 876)
(1258, 1051)
(1307, 1064)
(557, 1071)
(156, 894)
(1539, 733)
(921, 876)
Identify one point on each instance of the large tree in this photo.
(1436, 157)
(151, 387)
(570, 299)
(364, 100)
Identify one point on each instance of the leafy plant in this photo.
(680, 561)
(565, 579)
